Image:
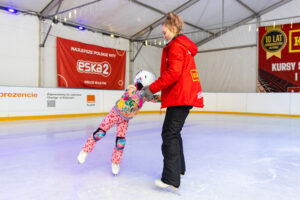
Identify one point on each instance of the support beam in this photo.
(43, 44)
(246, 6)
(50, 5)
(137, 53)
(97, 30)
(223, 14)
(159, 21)
(70, 9)
(243, 21)
(228, 48)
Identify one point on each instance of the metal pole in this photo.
(43, 44)
(141, 45)
(61, 12)
(131, 63)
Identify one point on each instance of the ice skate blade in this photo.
(171, 190)
(163, 185)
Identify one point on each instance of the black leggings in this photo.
(172, 148)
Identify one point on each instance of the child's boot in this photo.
(82, 156)
(115, 168)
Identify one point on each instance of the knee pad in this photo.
(99, 134)
(120, 143)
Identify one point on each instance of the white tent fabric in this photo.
(133, 19)
(217, 28)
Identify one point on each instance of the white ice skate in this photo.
(163, 185)
(82, 156)
(115, 168)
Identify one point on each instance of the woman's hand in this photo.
(147, 93)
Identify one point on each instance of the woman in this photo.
(181, 90)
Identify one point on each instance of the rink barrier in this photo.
(24, 103)
(37, 117)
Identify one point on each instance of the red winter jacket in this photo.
(179, 80)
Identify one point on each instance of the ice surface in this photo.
(228, 157)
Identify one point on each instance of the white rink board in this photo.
(26, 101)
(22, 101)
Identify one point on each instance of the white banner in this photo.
(21, 101)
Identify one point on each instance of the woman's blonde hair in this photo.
(174, 20)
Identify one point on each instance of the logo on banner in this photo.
(102, 68)
(294, 41)
(273, 42)
(19, 94)
(91, 100)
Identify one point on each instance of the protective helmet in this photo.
(143, 78)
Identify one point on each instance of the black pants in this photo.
(172, 148)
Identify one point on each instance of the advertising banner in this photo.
(22, 101)
(81, 65)
(279, 58)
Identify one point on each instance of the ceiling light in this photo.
(81, 28)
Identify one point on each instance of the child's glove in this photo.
(147, 93)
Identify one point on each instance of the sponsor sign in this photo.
(81, 65)
(279, 58)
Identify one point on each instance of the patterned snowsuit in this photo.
(124, 110)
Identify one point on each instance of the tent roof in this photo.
(141, 19)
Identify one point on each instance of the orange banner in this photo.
(81, 65)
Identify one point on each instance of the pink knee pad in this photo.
(120, 143)
(99, 134)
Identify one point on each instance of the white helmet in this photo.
(144, 77)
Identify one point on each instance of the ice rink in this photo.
(228, 157)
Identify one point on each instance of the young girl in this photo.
(125, 109)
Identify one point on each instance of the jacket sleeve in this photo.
(173, 70)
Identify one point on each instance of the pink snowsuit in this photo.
(124, 110)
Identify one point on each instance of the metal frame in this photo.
(159, 21)
(140, 48)
(243, 21)
(64, 11)
(228, 48)
(52, 2)
(45, 39)
(246, 6)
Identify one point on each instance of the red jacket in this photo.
(179, 80)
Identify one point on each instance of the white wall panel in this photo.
(18, 50)
(237, 37)
(228, 71)
(149, 59)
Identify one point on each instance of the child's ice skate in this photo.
(82, 156)
(163, 185)
(115, 168)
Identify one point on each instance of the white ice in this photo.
(228, 157)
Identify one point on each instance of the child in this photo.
(124, 110)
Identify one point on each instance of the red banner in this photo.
(279, 58)
(82, 65)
